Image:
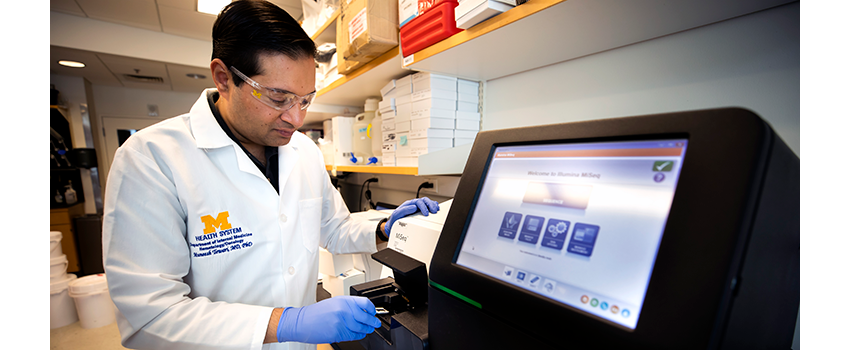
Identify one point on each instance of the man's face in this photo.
(252, 121)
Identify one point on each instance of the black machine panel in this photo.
(674, 230)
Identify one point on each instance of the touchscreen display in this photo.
(577, 223)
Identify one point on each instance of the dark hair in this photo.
(247, 28)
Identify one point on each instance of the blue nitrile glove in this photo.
(423, 205)
(342, 318)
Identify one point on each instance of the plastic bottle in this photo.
(361, 141)
(377, 135)
(70, 194)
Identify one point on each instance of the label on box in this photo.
(408, 60)
(357, 26)
(432, 113)
(433, 93)
(432, 123)
(429, 133)
(389, 137)
(388, 147)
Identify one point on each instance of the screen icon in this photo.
(520, 276)
(556, 234)
(583, 240)
(549, 286)
(584, 299)
(603, 305)
(510, 225)
(658, 177)
(625, 313)
(594, 302)
(615, 309)
(662, 165)
(530, 232)
(508, 273)
(533, 280)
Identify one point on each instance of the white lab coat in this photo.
(176, 287)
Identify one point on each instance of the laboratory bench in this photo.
(73, 337)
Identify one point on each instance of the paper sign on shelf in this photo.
(357, 25)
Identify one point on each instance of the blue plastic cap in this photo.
(372, 160)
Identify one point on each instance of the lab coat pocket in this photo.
(310, 215)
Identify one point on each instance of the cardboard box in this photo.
(365, 30)
(432, 113)
(432, 133)
(432, 123)
(388, 89)
(388, 147)
(388, 159)
(463, 124)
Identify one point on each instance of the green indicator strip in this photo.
(456, 294)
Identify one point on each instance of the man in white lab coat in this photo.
(213, 219)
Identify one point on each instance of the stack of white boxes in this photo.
(424, 113)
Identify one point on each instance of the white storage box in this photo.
(437, 103)
(341, 284)
(422, 146)
(424, 81)
(387, 114)
(434, 93)
(342, 130)
(403, 148)
(467, 97)
(468, 115)
(463, 124)
(431, 133)
(402, 112)
(404, 86)
(389, 88)
(467, 86)
(388, 158)
(389, 136)
(463, 141)
(407, 161)
(402, 126)
(471, 12)
(407, 10)
(433, 113)
(389, 147)
(465, 134)
(432, 123)
(388, 103)
(467, 106)
(388, 125)
(334, 265)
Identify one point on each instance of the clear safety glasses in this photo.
(281, 100)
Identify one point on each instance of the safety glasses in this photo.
(280, 100)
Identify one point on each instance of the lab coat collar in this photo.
(205, 129)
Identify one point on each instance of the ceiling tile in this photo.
(66, 6)
(181, 82)
(135, 13)
(188, 23)
(95, 71)
(181, 4)
(129, 65)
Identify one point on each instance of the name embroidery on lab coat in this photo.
(219, 237)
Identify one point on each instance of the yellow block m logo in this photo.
(220, 221)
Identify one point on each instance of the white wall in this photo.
(751, 61)
(128, 102)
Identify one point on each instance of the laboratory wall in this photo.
(751, 61)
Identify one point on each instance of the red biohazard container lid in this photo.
(429, 28)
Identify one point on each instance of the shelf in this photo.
(327, 32)
(354, 88)
(544, 32)
(395, 170)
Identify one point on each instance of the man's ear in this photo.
(221, 76)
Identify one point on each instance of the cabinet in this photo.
(62, 219)
(529, 36)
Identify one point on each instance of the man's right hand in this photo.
(333, 320)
